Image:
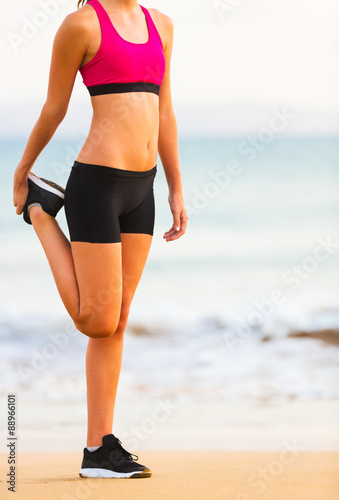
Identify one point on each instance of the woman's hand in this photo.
(20, 190)
(180, 218)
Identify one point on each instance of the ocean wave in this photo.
(170, 349)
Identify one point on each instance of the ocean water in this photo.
(237, 309)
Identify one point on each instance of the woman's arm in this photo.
(69, 47)
(168, 143)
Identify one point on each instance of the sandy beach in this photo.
(280, 475)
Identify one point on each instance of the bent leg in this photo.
(87, 275)
(59, 255)
(99, 277)
(103, 357)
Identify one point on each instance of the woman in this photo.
(123, 52)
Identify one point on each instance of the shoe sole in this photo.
(112, 474)
(46, 185)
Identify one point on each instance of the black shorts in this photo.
(103, 202)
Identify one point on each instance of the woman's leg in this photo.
(59, 255)
(103, 357)
(96, 283)
(87, 275)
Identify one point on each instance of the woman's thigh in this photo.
(98, 268)
(108, 275)
(135, 249)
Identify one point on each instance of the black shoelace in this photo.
(125, 453)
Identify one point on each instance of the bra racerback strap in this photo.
(150, 23)
(104, 19)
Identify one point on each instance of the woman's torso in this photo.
(125, 126)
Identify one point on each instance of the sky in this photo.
(234, 63)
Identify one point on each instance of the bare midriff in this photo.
(124, 131)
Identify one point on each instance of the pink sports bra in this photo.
(120, 66)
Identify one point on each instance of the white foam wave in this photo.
(171, 349)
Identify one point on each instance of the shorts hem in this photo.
(76, 240)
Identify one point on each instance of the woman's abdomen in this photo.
(124, 131)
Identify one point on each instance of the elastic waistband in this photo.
(113, 172)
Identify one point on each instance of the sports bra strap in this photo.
(151, 26)
(104, 19)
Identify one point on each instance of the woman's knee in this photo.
(97, 326)
(124, 312)
(123, 319)
(102, 325)
(38, 216)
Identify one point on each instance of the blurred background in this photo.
(234, 330)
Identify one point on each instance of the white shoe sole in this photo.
(113, 474)
(34, 178)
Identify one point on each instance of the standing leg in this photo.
(103, 357)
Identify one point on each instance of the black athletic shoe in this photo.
(48, 194)
(112, 460)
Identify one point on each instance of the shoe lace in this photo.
(125, 453)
